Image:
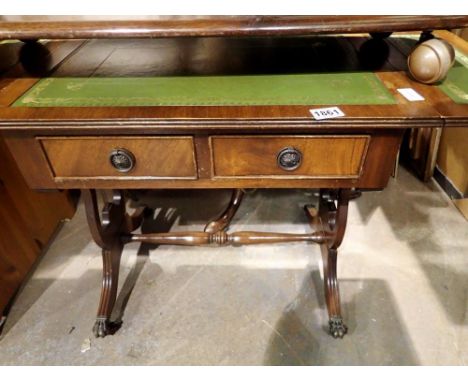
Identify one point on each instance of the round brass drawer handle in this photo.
(289, 159)
(122, 160)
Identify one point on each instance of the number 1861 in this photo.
(325, 113)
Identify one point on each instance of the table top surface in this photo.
(37, 27)
(178, 82)
(214, 94)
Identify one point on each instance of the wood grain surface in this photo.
(28, 219)
(322, 156)
(384, 124)
(178, 26)
(206, 57)
(156, 157)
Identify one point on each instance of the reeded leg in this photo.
(110, 280)
(106, 232)
(336, 326)
(225, 218)
(331, 217)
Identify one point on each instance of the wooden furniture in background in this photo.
(28, 220)
(452, 156)
(425, 148)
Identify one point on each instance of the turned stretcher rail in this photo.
(224, 238)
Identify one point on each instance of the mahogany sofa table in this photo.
(229, 111)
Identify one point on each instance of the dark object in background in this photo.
(35, 58)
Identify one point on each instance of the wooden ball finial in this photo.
(431, 60)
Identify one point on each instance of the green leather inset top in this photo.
(455, 84)
(351, 88)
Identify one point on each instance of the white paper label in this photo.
(327, 113)
(410, 94)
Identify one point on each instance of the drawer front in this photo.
(116, 157)
(340, 156)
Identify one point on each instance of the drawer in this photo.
(136, 157)
(324, 156)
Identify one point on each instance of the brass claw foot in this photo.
(102, 327)
(336, 327)
(330, 219)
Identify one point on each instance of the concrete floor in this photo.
(403, 269)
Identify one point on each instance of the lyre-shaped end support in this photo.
(223, 221)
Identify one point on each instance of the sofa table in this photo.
(224, 103)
